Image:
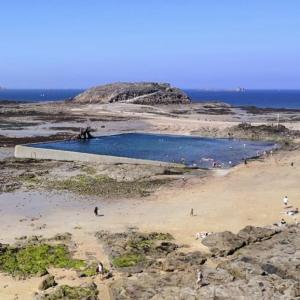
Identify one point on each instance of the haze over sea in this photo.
(259, 98)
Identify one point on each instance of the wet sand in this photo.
(247, 195)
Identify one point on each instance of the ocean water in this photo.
(259, 98)
(189, 150)
(38, 95)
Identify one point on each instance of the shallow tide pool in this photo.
(189, 150)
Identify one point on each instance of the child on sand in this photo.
(96, 211)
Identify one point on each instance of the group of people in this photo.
(290, 212)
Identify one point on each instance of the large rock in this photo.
(82, 292)
(223, 243)
(252, 234)
(47, 282)
(139, 93)
(226, 243)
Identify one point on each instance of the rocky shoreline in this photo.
(147, 235)
(257, 263)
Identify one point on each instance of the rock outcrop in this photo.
(83, 292)
(47, 283)
(148, 93)
(255, 263)
(226, 243)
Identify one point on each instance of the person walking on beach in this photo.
(199, 281)
(285, 201)
(96, 211)
(192, 212)
(100, 269)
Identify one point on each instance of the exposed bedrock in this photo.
(139, 93)
(255, 263)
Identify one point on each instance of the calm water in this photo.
(259, 98)
(38, 95)
(192, 151)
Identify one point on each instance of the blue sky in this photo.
(191, 43)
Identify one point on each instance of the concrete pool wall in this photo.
(23, 151)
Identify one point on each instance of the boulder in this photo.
(223, 243)
(252, 234)
(82, 292)
(148, 93)
(47, 282)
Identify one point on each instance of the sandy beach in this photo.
(222, 200)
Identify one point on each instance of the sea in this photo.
(289, 99)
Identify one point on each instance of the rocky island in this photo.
(138, 93)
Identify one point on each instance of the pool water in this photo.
(189, 150)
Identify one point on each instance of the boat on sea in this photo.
(240, 89)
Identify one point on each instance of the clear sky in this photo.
(189, 43)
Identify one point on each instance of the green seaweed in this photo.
(35, 259)
(72, 293)
(105, 186)
(127, 260)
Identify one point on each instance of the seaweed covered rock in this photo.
(34, 259)
(140, 93)
(263, 132)
(133, 251)
(83, 292)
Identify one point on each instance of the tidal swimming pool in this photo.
(192, 151)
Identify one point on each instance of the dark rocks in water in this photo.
(84, 134)
(148, 93)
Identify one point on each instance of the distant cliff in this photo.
(139, 93)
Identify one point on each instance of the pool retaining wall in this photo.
(23, 151)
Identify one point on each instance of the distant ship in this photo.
(240, 89)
